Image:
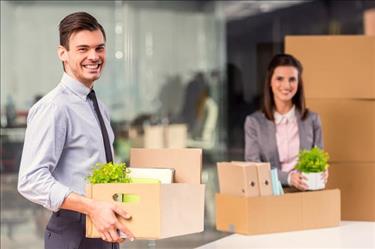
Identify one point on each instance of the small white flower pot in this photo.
(314, 181)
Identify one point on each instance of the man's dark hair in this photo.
(268, 98)
(76, 22)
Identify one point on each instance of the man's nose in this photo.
(93, 55)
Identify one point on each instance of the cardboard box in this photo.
(161, 210)
(348, 128)
(244, 178)
(336, 66)
(357, 185)
(369, 21)
(269, 214)
(165, 136)
(176, 136)
(154, 137)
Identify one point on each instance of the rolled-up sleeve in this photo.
(44, 142)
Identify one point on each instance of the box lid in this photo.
(186, 162)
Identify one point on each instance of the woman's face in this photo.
(284, 83)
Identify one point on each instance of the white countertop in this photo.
(349, 234)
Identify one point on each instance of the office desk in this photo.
(348, 235)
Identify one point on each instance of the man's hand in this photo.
(104, 217)
(298, 181)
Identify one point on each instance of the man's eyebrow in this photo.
(87, 46)
(82, 46)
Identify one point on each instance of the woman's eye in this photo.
(279, 78)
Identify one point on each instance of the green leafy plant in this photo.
(312, 161)
(110, 173)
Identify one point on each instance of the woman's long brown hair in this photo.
(298, 99)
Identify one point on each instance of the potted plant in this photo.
(110, 173)
(116, 173)
(312, 163)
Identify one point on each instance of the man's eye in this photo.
(82, 49)
(100, 49)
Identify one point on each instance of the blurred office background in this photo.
(178, 74)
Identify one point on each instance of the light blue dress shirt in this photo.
(63, 142)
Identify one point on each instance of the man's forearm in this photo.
(77, 203)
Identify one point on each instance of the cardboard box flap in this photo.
(186, 162)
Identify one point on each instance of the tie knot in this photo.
(91, 95)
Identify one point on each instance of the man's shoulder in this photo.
(55, 99)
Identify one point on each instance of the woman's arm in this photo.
(317, 129)
(252, 148)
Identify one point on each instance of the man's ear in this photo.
(62, 53)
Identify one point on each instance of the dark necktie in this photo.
(107, 147)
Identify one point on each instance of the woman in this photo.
(284, 126)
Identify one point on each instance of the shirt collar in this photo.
(290, 116)
(76, 86)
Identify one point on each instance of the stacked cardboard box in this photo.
(159, 136)
(245, 204)
(369, 21)
(339, 77)
(160, 210)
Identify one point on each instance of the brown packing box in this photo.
(356, 182)
(348, 128)
(176, 136)
(244, 178)
(269, 214)
(163, 210)
(165, 136)
(336, 66)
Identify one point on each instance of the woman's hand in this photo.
(298, 181)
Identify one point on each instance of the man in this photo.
(68, 132)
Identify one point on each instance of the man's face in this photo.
(85, 58)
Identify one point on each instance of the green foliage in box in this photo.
(109, 173)
(312, 161)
